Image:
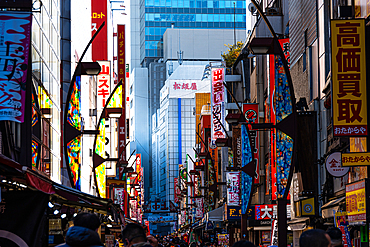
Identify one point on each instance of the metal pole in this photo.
(234, 29)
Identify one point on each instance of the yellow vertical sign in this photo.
(349, 77)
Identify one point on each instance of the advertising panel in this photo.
(237, 148)
(272, 145)
(15, 35)
(245, 179)
(119, 197)
(355, 159)
(176, 189)
(138, 164)
(356, 201)
(233, 188)
(250, 112)
(121, 61)
(269, 211)
(103, 87)
(98, 16)
(199, 208)
(349, 78)
(217, 104)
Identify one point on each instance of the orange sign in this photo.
(349, 77)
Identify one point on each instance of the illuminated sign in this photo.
(98, 16)
(218, 104)
(334, 165)
(349, 77)
(103, 87)
(268, 211)
(233, 188)
(121, 58)
(356, 201)
(355, 159)
(15, 33)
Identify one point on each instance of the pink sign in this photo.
(218, 104)
(233, 188)
(15, 33)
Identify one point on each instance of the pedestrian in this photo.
(243, 243)
(314, 237)
(134, 235)
(84, 232)
(335, 235)
(153, 241)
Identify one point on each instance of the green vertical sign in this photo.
(364, 234)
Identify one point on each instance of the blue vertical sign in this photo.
(246, 180)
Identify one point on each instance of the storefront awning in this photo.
(214, 215)
(298, 224)
(328, 210)
(262, 228)
(333, 203)
(13, 172)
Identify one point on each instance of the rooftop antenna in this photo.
(180, 52)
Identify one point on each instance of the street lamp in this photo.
(287, 124)
(72, 127)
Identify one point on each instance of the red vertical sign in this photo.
(98, 16)
(121, 60)
(251, 115)
(273, 131)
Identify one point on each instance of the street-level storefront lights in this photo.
(50, 205)
(63, 216)
(109, 225)
(56, 211)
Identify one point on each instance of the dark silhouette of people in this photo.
(84, 231)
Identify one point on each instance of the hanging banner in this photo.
(237, 148)
(273, 131)
(176, 190)
(121, 61)
(98, 16)
(103, 86)
(218, 105)
(23, 218)
(250, 112)
(198, 208)
(15, 35)
(349, 77)
(246, 180)
(233, 188)
(119, 197)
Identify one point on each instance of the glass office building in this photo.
(158, 15)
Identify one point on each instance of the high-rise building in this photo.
(150, 19)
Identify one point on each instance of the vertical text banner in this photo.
(121, 58)
(98, 16)
(233, 188)
(103, 87)
(15, 34)
(349, 77)
(218, 104)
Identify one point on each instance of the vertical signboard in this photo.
(121, 60)
(273, 131)
(103, 87)
(15, 35)
(349, 78)
(251, 116)
(98, 16)
(237, 148)
(138, 164)
(218, 104)
(233, 188)
(245, 179)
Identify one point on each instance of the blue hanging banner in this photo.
(246, 180)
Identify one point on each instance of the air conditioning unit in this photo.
(273, 11)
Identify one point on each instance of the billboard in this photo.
(217, 104)
(356, 201)
(121, 58)
(15, 35)
(98, 16)
(233, 188)
(349, 101)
